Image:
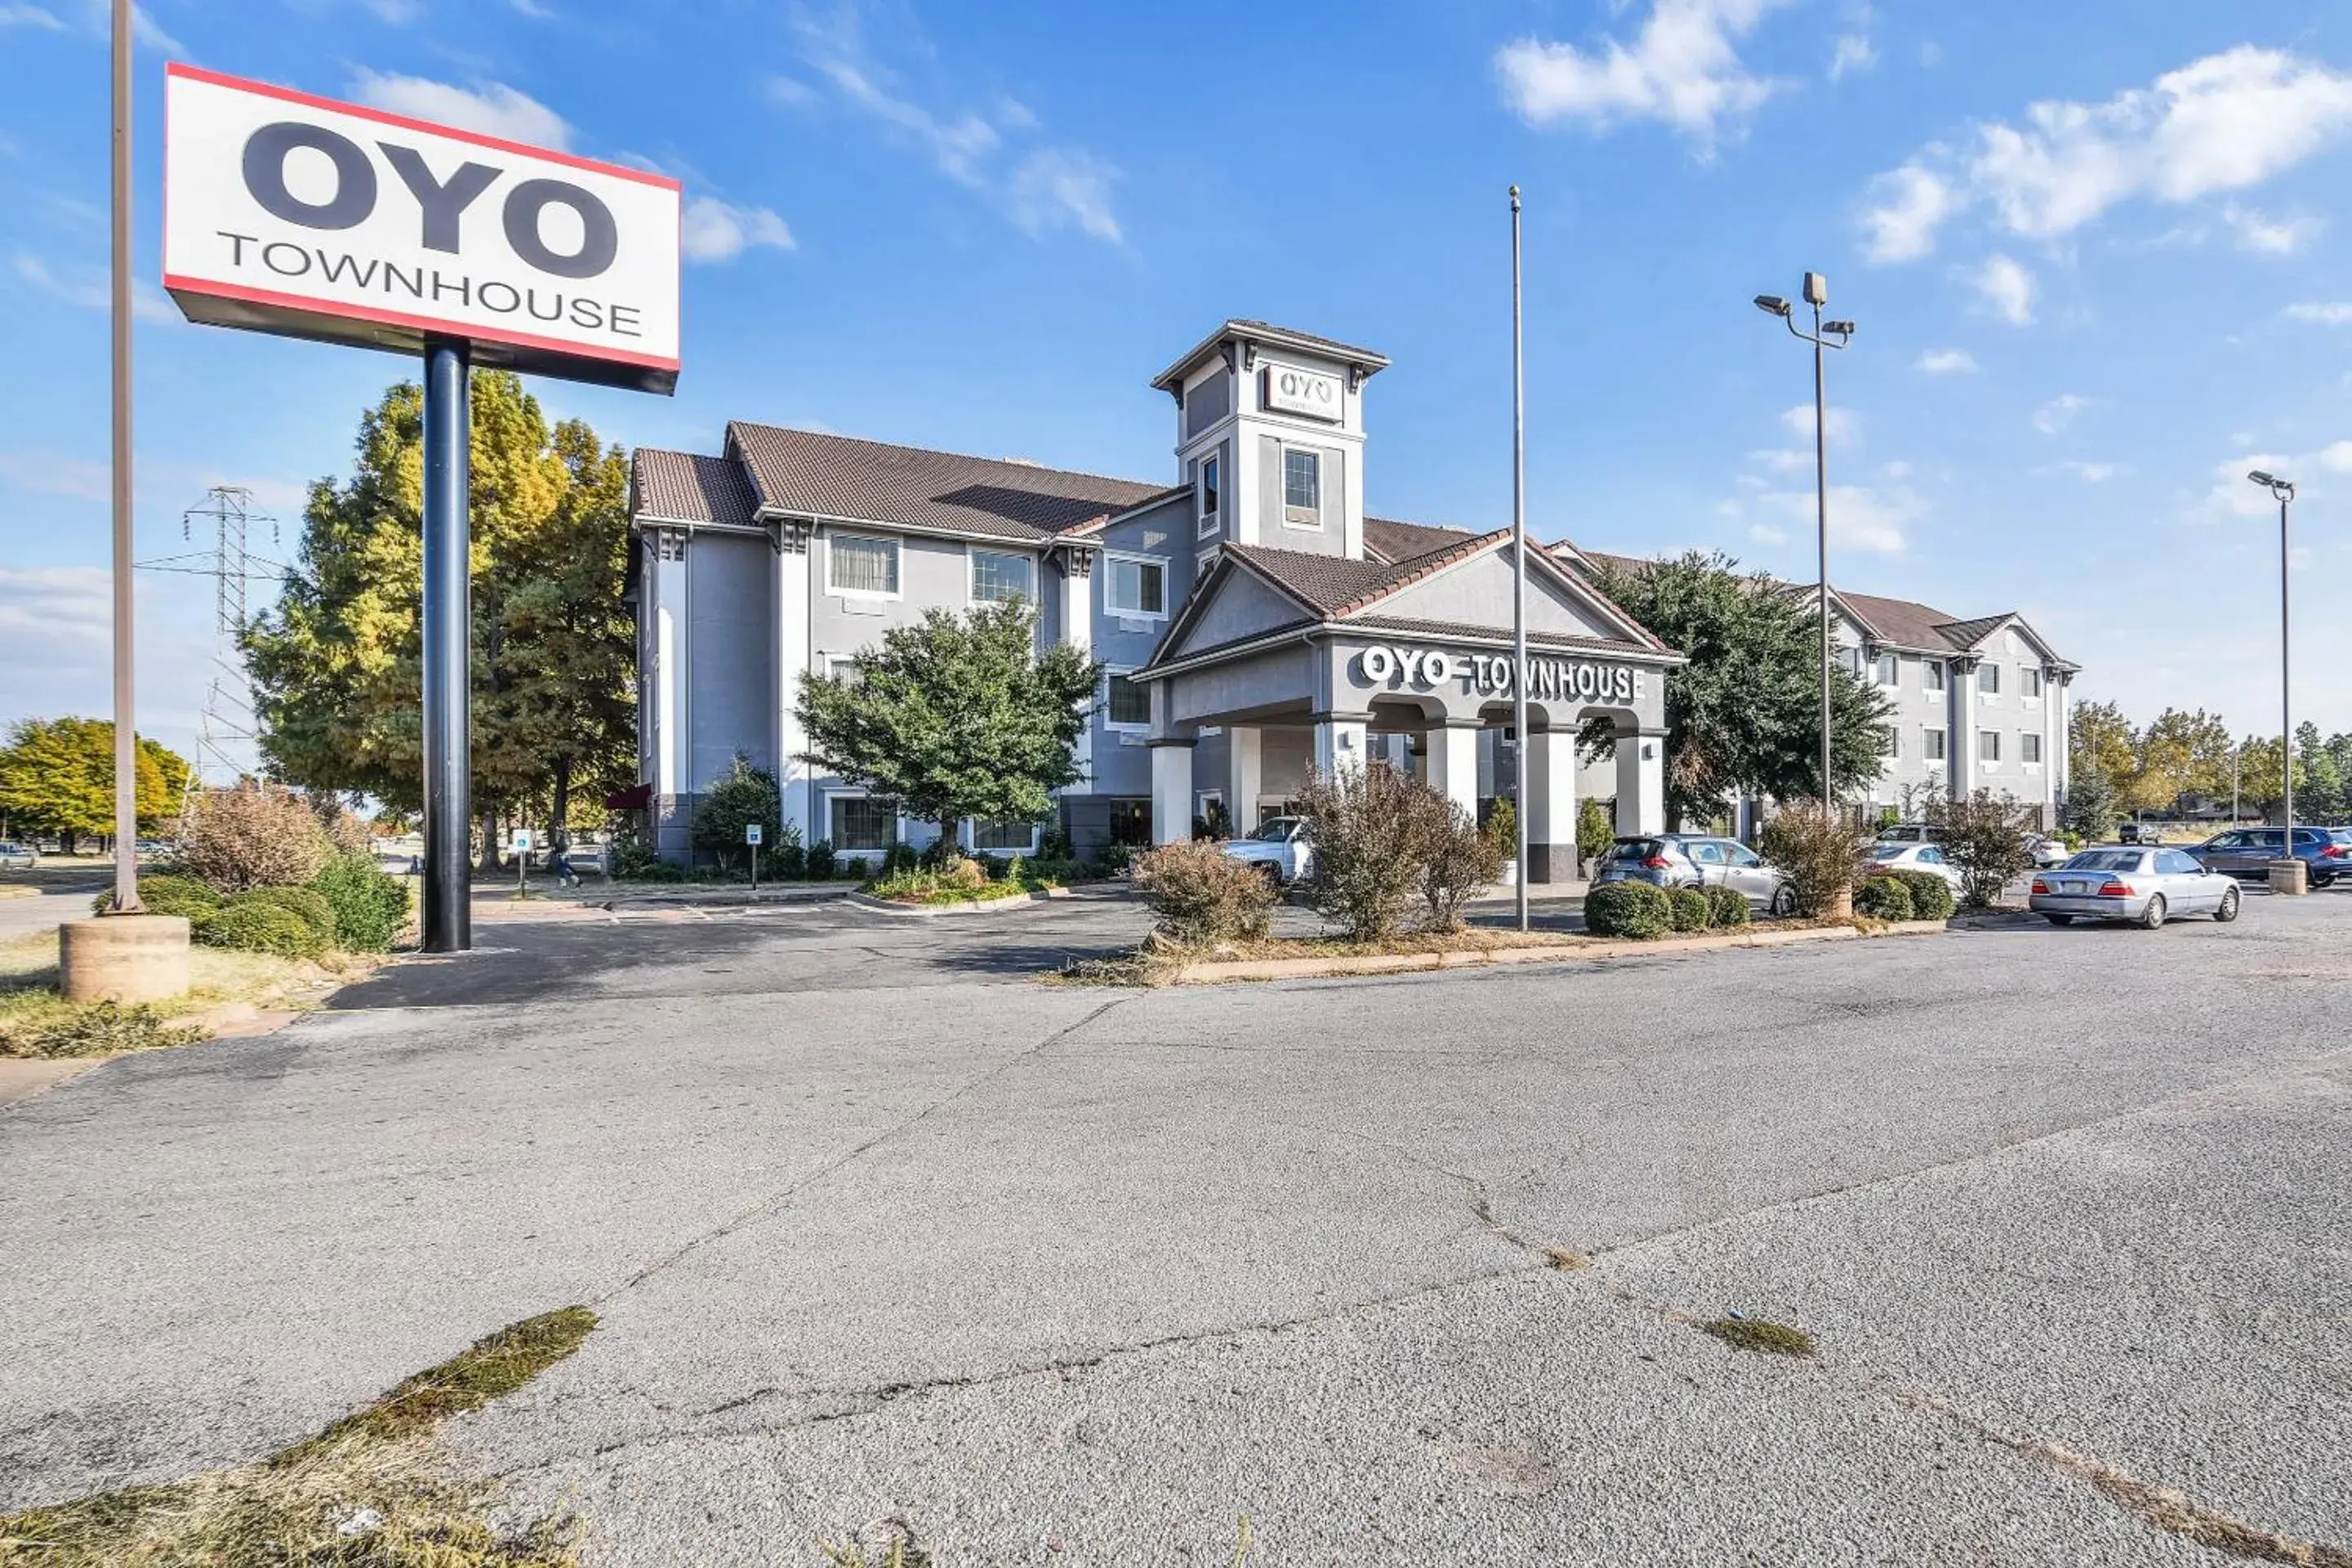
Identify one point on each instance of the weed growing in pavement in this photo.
(374, 1489)
(1756, 1334)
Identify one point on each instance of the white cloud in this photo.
(712, 230)
(2007, 287)
(790, 90)
(2270, 237)
(490, 107)
(1681, 70)
(1855, 52)
(1946, 361)
(2056, 415)
(958, 146)
(89, 289)
(1768, 533)
(1782, 459)
(1911, 203)
(13, 15)
(1861, 517)
(2336, 457)
(1844, 424)
(42, 605)
(2226, 123)
(1054, 189)
(534, 10)
(2092, 473)
(45, 473)
(1898, 470)
(2338, 314)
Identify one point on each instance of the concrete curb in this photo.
(986, 907)
(1585, 952)
(21, 1078)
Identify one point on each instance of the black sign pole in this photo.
(447, 916)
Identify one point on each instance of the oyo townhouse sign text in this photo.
(1311, 393)
(296, 215)
(1400, 668)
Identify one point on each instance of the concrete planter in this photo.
(125, 958)
(2290, 876)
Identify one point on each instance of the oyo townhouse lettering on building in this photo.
(296, 215)
(1256, 619)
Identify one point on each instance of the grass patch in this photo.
(36, 1021)
(44, 1025)
(1756, 1334)
(373, 1489)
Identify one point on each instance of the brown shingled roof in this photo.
(1393, 541)
(808, 473)
(685, 487)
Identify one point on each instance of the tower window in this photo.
(1211, 482)
(1302, 488)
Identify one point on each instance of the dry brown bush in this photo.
(255, 836)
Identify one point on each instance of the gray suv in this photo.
(1697, 860)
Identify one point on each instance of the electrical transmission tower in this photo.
(226, 724)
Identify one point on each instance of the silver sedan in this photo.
(2142, 885)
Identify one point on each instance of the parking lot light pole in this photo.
(2283, 489)
(1825, 335)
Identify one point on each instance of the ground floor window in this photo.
(1016, 835)
(1129, 702)
(860, 823)
(2029, 747)
(1131, 821)
(1935, 753)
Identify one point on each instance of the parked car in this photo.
(2138, 833)
(16, 856)
(2249, 851)
(1929, 857)
(1911, 833)
(1697, 860)
(2144, 885)
(1282, 848)
(2047, 851)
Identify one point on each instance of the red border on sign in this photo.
(383, 117)
(435, 325)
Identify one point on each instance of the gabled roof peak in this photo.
(1265, 334)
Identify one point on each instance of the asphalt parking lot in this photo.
(881, 1229)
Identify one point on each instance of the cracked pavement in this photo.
(880, 1231)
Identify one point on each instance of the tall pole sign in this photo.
(309, 218)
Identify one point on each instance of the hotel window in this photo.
(669, 545)
(2028, 686)
(1212, 483)
(2029, 748)
(856, 564)
(1935, 671)
(1988, 679)
(1302, 488)
(1850, 660)
(1131, 821)
(1020, 836)
(842, 667)
(1933, 750)
(1890, 745)
(860, 821)
(1987, 745)
(997, 576)
(1890, 669)
(1135, 586)
(1127, 704)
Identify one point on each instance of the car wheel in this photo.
(2323, 881)
(2152, 917)
(2227, 911)
(2060, 919)
(1784, 903)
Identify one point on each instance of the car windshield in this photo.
(2341, 834)
(2107, 860)
(1278, 831)
(1890, 852)
(1636, 849)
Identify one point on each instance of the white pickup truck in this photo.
(1281, 848)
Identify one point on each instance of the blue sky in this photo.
(2097, 252)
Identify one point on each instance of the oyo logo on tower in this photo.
(296, 215)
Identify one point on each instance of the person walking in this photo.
(559, 857)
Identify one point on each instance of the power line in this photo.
(226, 726)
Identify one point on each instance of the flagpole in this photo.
(126, 743)
(1518, 572)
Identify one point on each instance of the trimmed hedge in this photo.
(1882, 898)
(1627, 909)
(1687, 909)
(1727, 909)
(184, 896)
(1931, 896)
(369, 908)
(303, 903)
(262, 926)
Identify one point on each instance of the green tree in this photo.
(2180, 754)
(2260, 771)
(746, 795)
(337, 667)
(1744, 715)
(2091, 804)
(57, 775)
(2326, 794)
(956, 716)
(2100, 739)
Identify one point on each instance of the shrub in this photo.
(1014, 868)
(634, 859)
(1503, 828)
(1200, 894)
(1931, 896)
(785, 862)
(898, 858)
(746, 795)
(1882, 898)
(1056, 873)
(182, 896)
(1370, 831)
(1627, 909)
(963, 872)
(255, 836)
(820, 861)
(1055, 844)
(1726, 908)
(262, 928)
(1821, 856)
(306, 904)
(369, 908)
(1458, 863)
(1113, 858)
(1985, 839)
(1594, 831)
(1686, 908)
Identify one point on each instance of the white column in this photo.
(1551, 807)
(1079, 632)
(1454, 764)
(1341, 744)
(1171, 791)
(794, 776)
(1964, 732)
(1641, 784)
(1245, 776)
